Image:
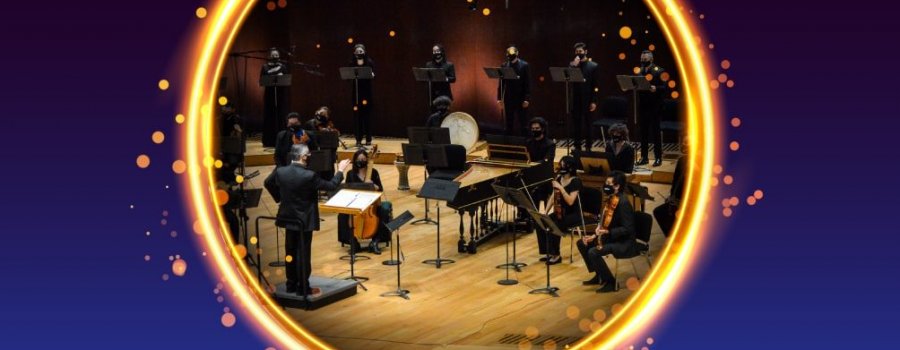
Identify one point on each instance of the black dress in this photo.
(548, 243)
(443, 88)
(276, 102)
(622, 161)
(363, 102)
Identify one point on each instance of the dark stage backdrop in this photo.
(544, 31)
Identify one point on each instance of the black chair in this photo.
(671, 121)
(456, 163)
(613, 110)
(643, 226)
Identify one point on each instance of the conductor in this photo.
(296, 189)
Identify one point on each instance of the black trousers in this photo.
(276, 103)
(364, 122)
(580, 127)
(548, 243)
(648, 123)
(298, 244)
(514, 112)
(665, 217)
(593, 257)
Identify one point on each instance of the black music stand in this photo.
(517, 198)
(567, 75)
(275, 82)
(638, 191)
(415, 153)
(394, 226)
(545, 223)
(430, 75)
(634, 83)
(441, 190)
(355, 74)
(596, 163)
(502, 74)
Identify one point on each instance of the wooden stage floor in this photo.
(459, 306)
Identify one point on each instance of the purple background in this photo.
(813, 265)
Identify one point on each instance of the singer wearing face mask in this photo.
(362, 99)
(615, 234)
(563, 207)
(360, 173)
(584, 98)
(441, 106)
(622, 153)
(439, 60)
(514, 95)
(650, 108)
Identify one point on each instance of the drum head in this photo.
(463, 129)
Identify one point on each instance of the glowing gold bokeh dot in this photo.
(253, 240)
(734, 145)
(221, 197)
(239, 179)
(735, 122)
(270, 6)
(201, 12)
(392, 34)
(288, 259)
(158, 137)
(228, 319)
(729, 84)
(143, 161)
(584, 325)
(728, 179)
(622, 56)
(727, 212)
(723, 78)
(532, 332)
(179, 166)
(282, 3)
(218, 164)
(525, 345)
(240, 251)
(550, 344)
(625, 32)
(726, 64)
(751, 200)
(572, 312)
(672, 84)
(632, 284)
(675, 94)
(223, 100)
(163, 84)
(599, 315)
(486, 11)
(714, 84)
(179, 267)
(758, 194)
(350, 40)
(179, 118)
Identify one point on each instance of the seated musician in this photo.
(361, 173)
(564, 208)
(441, 106)
(622, 154)
(540, 147)
(321, 121)
(615, 234)
(285, 140)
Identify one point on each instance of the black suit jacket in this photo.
(583, 94)
(653, 99)
(296, 189)
(517, 91)
(443, 88)
(622, 229)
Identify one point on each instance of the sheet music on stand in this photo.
(353, 199)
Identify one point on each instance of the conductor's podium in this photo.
(333, 290)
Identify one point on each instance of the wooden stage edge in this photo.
(390, 148)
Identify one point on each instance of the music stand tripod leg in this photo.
(437, 262)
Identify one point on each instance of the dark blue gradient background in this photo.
(813, 265)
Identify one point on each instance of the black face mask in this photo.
(437, 56)
(608, 190)
(361, 163)
(645, 63)
(321, 118)
(537, 133)
(582, 56)
(617, 138)
(511, 57)
(360, 56)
